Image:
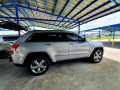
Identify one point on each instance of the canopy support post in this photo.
(79, 28)
(113, 42)
(84, 34)
(17, 18)
(99, 34)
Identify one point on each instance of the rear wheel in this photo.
(38, 66)
(97, 56)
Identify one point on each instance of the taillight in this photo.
(14, 47)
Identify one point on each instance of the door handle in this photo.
(48, 44)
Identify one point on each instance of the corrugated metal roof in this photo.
(56, 14)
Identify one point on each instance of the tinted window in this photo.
(38, 37)
(73, 37)
(53, 37)
(57, 37)
(44, 37)
(12, 38)
(63, 37)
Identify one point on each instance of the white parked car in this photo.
(5, 48)
(37, 49)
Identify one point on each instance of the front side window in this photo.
(73, 37)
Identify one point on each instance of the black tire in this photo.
(39, 59)
(98, 58)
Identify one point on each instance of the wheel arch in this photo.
(101, 48)
(34, 54)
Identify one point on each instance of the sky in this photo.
(104, 21)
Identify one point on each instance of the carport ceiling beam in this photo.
(82, 9)
(116, 2)
(14, 5)
(7, 6)
(55, 6)
(95, 18)
(36, 4)
(35, 9)
(45, 7)
(101, 12)
(3, 11)
(35, 19)
(52, 24)
(63, 9)
(46, 4)
(93, 10)
(72, 10)
(97, 9)
(27, 3)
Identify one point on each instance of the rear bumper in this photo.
(18, 59)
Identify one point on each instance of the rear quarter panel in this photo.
(31, 47)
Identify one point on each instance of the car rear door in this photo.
(58, 45)
(77, 48)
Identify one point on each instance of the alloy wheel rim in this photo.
(97, 55)
(38, 66)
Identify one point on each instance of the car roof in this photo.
(50, 31)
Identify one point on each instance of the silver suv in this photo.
(38, 49)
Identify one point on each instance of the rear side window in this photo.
(63, 37)
(53, 37)
(57, 37)
(38, 37)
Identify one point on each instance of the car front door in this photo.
(58, 45)
(77, 47)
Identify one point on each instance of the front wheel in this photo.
(97, 56)
(38, 66)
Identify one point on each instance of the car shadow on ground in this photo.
(72, 61)
(59, 64)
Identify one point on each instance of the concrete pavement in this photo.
(68, 75)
